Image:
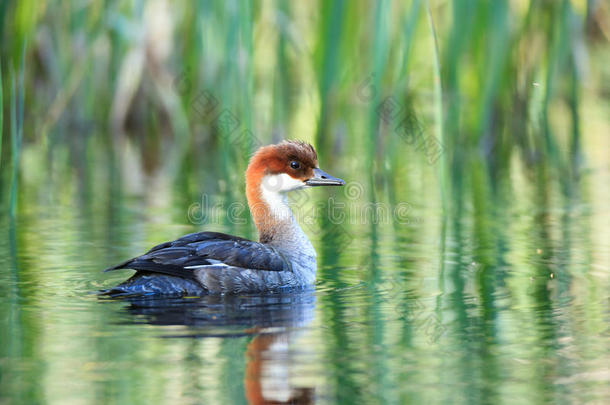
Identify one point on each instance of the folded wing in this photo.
(206, 250)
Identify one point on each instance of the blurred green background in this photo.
(484, 124)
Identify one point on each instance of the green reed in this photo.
(293, 71)
(16, 108)
(1, 117)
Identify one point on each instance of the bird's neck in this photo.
(274, 219)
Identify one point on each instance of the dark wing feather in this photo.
(206, 248)
(197, 237)
(246, 254)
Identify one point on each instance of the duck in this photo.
(202, 263)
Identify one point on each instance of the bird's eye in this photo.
(295, 165)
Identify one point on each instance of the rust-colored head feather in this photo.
(295, 158)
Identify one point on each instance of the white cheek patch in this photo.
(280, 183)
(273, 187)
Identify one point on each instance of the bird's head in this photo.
(286, 166)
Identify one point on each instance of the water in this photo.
(503, 299)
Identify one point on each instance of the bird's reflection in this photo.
(273, 320)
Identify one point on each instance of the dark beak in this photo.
(323, 179)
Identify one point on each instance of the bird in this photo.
(202, 263)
